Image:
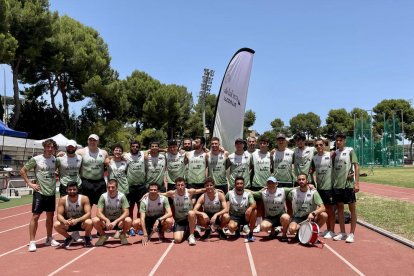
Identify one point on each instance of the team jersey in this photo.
(274, 203)
(239, 203)
(135, 168)
(239, 166)
(118, 170)
(323, 169)
(175, 166)
(282, 166)
(217, 168)
(112, 207)
(182, 204)
(212, 206)
(69, 169)
(154, 208)
(93, 165)
(262, 164)
(342, 166)
(196, 167)
(302, 160)
(45, 173)
(74, 210)
(155, 169)
(304, 203)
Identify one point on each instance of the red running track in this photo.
(400, 193)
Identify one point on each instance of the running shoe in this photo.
(221, 234)
(101, 241)
(90, 237)
(197, 231)
(324, 233)
(140, 232)
(67, 242)
(207, 234)
(132, 232)
(350, 238)
(161, 237)
(340, 236)
(117, 234)
(256, 229)
(227, 232)
(87, 242)
(246, 229)
(51, 241)
(32, 246)
(250, 237)
(191, 240)
(329, 235)
(123, 239)
(76, 237)
(272, 236)
(284, 239)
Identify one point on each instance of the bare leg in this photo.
(98, 225)
(341, 217)
(49, 223)
(352, 209)
(192, 221)
(285, 220)
(61, 229)
(224, 219)
(330, 223)
(289, 207)
(87, 225)
(33, 226)
(321, 219)
(252, 220)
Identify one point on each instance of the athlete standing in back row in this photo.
(302, 157)
(197, 164)
(239, 163)
(217, 165)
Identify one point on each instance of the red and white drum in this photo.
(308, 233)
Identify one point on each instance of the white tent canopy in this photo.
(59, 139)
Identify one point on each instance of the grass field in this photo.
(26, 199)
(392, 215)
(401, 177)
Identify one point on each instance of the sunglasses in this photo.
(318, 145)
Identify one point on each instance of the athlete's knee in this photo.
(225, 218)
(232, 226)
(136, 224)
(191, 214)
(49, 215)
(36, 217)
(128, 220)
(168, 222)
(57, 225)
(284, 217)
(178, 238)
(96, 221)
(88, 223)
(265, 225)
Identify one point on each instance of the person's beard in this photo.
(71, 151)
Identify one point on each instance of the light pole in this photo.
(402, 133)
(4, 104)
(204, 92)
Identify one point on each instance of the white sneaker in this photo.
(191, 240)
(323, 234)
(75, 235)
(256, 229)
(32, 246)
(51, 241)
(117, 234)
(329, 235)
(246, 229)
(227, 232)
(350, 238)
(340, 236)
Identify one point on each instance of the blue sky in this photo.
(311, 56)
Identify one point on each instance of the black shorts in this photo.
(299, 219)
(181, 225)
(136, 193)
(116, 227)
(171, 187)
(195, 186)
(62, 190)
(345, 196)
(285, 185)
(93, 189)
(256, 189)
(77, 227)
(240, 220)
(274, 220)
(149, 223)
(210, 215)
(327, 197)
(224, 188)
(42, 203)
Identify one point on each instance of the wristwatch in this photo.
(313, 214)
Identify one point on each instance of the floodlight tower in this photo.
(4, 103)
(204, 92)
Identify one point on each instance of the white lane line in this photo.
(15, 207)
(21, 226)
(161, 259)
(345, 261)
(16, 215)
(11, 251)
(74, 260)
(249, 253)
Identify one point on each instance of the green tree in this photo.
(8, 44)
(337, 120)
(249, 120)
(30, 24)
(149, 134)
(210, 109)
(278, 126)
(307, 123)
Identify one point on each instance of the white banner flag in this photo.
(231, 101)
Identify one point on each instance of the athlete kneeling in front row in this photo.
(155, 214)
(242, 208)
(274, 203)
(73, 214)
(112, 213)
(305, 200)
(215, 209)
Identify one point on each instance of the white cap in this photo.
(71, 143)
(94, 136)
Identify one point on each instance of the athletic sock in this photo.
(258, 220)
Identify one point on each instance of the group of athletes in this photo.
(260, 194)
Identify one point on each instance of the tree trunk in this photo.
(17, 106)
(52, 98)
(64, 99)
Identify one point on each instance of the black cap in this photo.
(172, 142)
(239, 140)
(281, 135)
